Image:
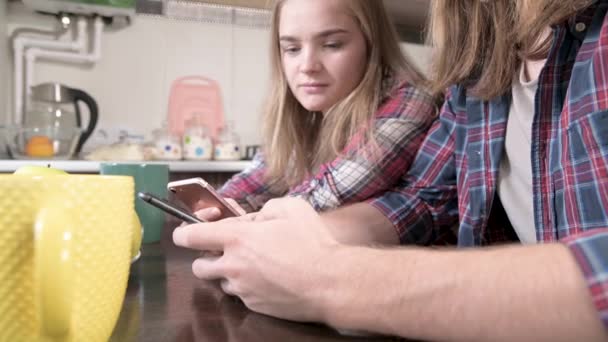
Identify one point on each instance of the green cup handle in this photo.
(53, 260)
(138, 231)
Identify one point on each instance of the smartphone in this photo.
(168, 208)
(196, 193)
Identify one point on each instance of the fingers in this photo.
(208, 268)
(212, 268)
(227, 287)
(206, 236)
(209, 214)
(208, 254)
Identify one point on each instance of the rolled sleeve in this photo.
(403, 211)
(424, 203)
(590, 249)
(421, 216)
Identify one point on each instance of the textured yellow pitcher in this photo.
(66, 242)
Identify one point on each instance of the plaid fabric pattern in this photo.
(249, 187)
(358, 173)
(453, 179)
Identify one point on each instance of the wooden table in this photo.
(165, 302)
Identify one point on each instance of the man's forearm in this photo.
(517, 293)
(360, 224)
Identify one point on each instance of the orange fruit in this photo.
(39, 146)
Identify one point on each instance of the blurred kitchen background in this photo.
(146, 48)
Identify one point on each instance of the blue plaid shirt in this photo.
(456, 170)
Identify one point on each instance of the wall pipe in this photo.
(21, 43)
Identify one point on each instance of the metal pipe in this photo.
(21, 43)
(94, 55)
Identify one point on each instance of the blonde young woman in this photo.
(518, 157)
(345, 113)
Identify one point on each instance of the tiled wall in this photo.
(131, 82)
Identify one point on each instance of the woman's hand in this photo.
(211, 214)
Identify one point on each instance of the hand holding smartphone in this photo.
(196, 193)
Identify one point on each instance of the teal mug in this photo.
(151, 178)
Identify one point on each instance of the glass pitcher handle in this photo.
(80, 95)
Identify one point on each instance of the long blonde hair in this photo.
(296, 141)
(480, 44)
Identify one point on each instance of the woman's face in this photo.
(323, 51)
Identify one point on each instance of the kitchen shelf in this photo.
(85, 166)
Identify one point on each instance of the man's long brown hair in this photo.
(481, 43)
(296, 141)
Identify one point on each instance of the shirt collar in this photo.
(578, 24)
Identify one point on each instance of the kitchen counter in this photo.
(85, 166)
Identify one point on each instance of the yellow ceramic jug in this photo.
(66, 242)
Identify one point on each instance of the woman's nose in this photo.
(310, 61)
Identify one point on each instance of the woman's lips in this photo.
(313, 88)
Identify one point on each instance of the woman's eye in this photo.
(291, 49)
(333, 45)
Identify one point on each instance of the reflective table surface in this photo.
(165, 302)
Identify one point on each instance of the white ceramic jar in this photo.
(197, 147)
(166, 145)
(227, 146)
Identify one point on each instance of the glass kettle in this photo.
(55, 106)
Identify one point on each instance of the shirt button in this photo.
(580, 27)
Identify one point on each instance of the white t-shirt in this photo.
(515, 174)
